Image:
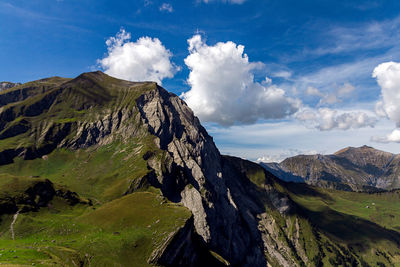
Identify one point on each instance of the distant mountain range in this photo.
(351, 169)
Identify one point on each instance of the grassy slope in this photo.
(102, 173)
(117, 230)
(119, 233)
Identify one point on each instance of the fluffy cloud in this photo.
(326, 119)
(166, 7)
(223, 89)
(392, 137)
(388, 77)
(144, 60)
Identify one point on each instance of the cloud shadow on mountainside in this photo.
(354, 231)
(359, 234)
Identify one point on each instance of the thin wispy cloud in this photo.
(367, 36)
(27, 13)
(327, 78)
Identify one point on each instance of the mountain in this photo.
(356, 169)
(7, 85)
(280, 171)
(97, 171)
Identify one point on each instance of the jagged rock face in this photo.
(222, 217)
(357, 169)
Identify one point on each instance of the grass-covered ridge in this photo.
(39, 115)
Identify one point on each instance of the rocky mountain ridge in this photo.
(358, 169)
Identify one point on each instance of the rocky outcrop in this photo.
(185, 248)
(7, 85)
(37, 194)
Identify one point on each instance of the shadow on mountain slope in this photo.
(351, 230)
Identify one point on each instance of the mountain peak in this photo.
(343, 150)
(93, 74)
(361, 149)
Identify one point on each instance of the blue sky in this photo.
(304, 74)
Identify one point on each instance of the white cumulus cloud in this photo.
(392, 137)
(223, 89)
(388, 77)
(326, 119)
(144, 60)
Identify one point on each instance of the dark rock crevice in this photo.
(186, 248)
